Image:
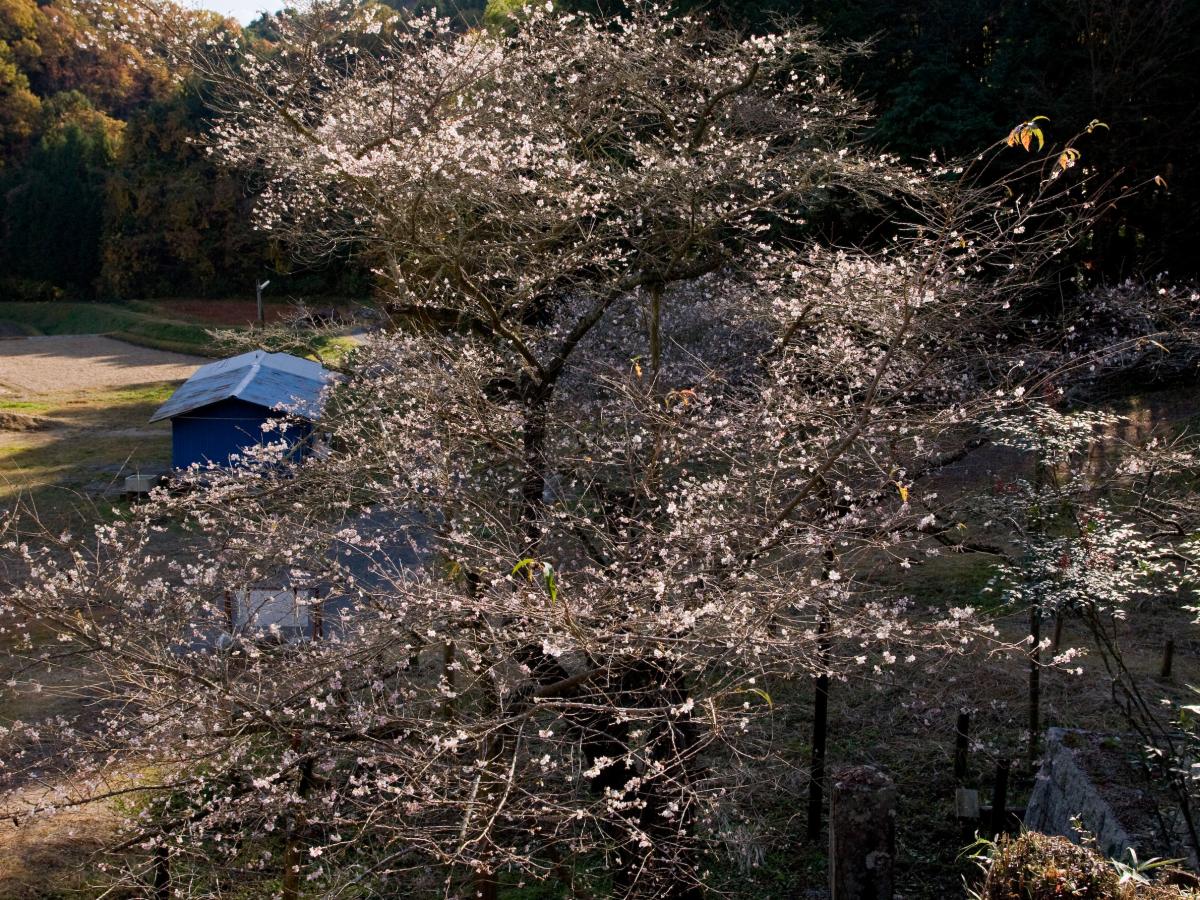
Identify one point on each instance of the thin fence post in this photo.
(820, 739)
(1000, 797)
(816, 783)
(1168, 659)
(229, 611)
(1035, 682)
(961, 743)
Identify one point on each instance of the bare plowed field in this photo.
(57, 365)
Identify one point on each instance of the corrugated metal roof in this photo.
(277, 381)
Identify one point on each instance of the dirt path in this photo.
(55, 365)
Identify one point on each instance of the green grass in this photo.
(132, 322)
(332, 349)
(95, 439)
(33, 407)
(128, 403)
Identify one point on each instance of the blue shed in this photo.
(222, 408)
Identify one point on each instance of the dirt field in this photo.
(55, 365)
(228, 313)
(73, 422)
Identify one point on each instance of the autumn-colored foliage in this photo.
(105, 190)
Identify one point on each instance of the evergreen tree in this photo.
(54, 208)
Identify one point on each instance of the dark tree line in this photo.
(104, 191)
(105, 188)
(953, 76)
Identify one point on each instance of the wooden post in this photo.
(229, 611)
(862, 835)
(656, 291)
(961, 730)
(487, 886)
(1037, 526)
(1168, 659)
(162, 873)
(292, 855)
(966, 800)
(290, 884)
(1035, 683)
(816, 777)
(1000, 797)
(318, 616)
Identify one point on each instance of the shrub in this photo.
(1040, 867)
(29, 290)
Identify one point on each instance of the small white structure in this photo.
(141, 484)
(286, 613)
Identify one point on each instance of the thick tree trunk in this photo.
(533, 479)
(656, 806)
(656, 294)
(293, 851)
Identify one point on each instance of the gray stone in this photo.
(1063, 792)
(141, 484)
(966, 803)
(862, 835)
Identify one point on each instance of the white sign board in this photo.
(275, 609)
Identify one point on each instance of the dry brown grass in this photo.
(52, 857)
(1036, 867)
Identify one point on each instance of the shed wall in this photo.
(218, 431)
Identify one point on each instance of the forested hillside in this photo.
(105, 188)
(106, 192)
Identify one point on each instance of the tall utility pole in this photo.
(258, 289)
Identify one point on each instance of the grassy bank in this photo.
(155, 325)
(123, 321)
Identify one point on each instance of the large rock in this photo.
(1064, 794)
